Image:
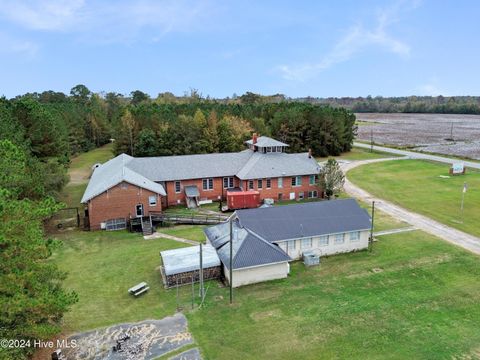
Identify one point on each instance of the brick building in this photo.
(127, 187)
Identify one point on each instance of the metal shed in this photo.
(181, 266)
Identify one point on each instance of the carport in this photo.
(182, 266)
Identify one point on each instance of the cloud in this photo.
(11, 45)
(355, 40)
(102, 21)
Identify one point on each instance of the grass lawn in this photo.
(102, 266)
(86, 160)
(183, 210)
(359, 154)
(416, 185)
(413, 297)
(191, 232)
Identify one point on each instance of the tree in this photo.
(128, 123)
(138, 97)
(80, 93)
(32, 300)
(331, 178)
(146, 144)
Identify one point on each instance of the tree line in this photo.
(407, 104)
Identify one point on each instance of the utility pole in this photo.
(370, 245)
(463, 198)
(201, 273)
(371, 140)
(231, 258)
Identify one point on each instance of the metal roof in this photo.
(248, 248)
(191, 191)
(186, 259)
(287, 222)
(277, 165)
(265, 141)
(114, 172)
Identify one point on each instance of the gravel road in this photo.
(421, 222)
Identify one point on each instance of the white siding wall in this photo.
(330, 249)
(258, 274)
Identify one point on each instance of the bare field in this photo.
(448, 134)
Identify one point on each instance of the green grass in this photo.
(416, 185)
(359, 154)
(191, 232)
(182, 210)
(86, 160)
(102, 266)
(72, 194)
(413, 297)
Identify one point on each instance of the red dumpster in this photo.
(239, 199)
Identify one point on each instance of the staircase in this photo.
(147, 227)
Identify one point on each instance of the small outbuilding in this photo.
(182, 266)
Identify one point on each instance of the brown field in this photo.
(425, 132)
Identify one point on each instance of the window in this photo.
(279, 149)
(124, 185)
(250, 184)
(152, 200)
(280, 197)
(306, 243)
(280, 183)
(323, 240)
(269, 183)
(312, 194)
(177, 187)
(269, 149)
(290, 245)
(228, 182)
(339, 238)
(355, 236)
(296, 181)
(312, 179)
(301, 195)
(207, 184)
(260, 183)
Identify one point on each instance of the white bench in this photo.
(139, 289)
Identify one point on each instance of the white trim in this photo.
(256, 266)
(329, 234)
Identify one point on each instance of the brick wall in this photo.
(287, 188)
(179, 198)
(120, 202)
(218, 191)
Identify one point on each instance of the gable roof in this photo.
(248, 248)
(287, 222)
(265, 141)
(277, 165)
(114, 172)
(182, 167)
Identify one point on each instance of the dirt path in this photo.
(157, 235)
(454, 236)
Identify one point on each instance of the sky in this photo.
(221, 48)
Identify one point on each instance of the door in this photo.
(139, 210)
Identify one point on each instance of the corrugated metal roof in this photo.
(303, 220)
(114, 172)
(186, 259)
(264, 141)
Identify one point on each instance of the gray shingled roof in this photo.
(277, 165)
(169, 168)
(248, 248)
(280, 223)
(114, 172)
(265, 141)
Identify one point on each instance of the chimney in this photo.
(254, 138)
(309, 153)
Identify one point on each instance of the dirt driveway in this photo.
(457, 237)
